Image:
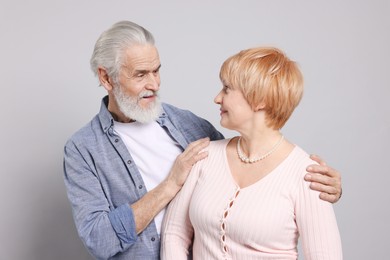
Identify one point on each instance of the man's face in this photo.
(139, 82)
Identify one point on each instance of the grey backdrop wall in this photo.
(48, 92)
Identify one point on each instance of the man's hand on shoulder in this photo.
(184, 162)
(324, 179)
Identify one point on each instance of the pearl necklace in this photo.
(245, 159)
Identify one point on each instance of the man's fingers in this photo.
(321, 178)
(193, 153)
(198, 142)
(322, 169)
(318, 159)
(198, 157)
(324, 175)
(329, 187)
(324, 179)
(323, 188)
(332, 198)
(184, 162)
(195, 147)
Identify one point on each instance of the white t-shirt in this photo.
(153, 151)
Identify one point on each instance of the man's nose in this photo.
(153, 82)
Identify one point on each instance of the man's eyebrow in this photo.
(146, 71)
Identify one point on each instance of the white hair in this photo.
(109, 48)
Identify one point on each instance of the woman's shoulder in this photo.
(298, 160)
(218, 144)
(302, 156)
(222, 142)
(216, 150)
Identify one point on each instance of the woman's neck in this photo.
(257, 143)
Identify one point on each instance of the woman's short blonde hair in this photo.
(266, 76)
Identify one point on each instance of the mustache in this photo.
(148, 93)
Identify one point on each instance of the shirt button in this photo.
(129, 162)
(153, 239)
(140, 187)
(116, 140)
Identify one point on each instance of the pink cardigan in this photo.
(261, 221)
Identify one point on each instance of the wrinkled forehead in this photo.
(141, 57)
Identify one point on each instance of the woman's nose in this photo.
(218, 98)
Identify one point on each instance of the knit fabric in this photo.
(261, 221)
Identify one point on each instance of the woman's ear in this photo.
(260, 106)
(104, 79)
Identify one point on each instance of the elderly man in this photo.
(123, 168)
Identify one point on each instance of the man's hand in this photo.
(184, 162)
(324, 179)
(145, 209)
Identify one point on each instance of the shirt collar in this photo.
(105, 117)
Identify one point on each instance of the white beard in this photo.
(129, 106)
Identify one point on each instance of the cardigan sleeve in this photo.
(177, 231)
(317, 226)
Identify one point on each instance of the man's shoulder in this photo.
(86, 132)
(183, 116)
(171, 109)
(191, 124)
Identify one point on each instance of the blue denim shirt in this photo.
(102, 180)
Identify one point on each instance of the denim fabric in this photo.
(102, 180)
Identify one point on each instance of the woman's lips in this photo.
(222, 111)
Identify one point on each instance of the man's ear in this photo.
(104, 79)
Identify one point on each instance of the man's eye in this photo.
(141, 75)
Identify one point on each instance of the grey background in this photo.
(48, 92)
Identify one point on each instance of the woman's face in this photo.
(235, 109)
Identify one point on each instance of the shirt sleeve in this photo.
(317, 226)
(177, 231)
(103, 230)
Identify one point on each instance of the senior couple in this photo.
(147, 180)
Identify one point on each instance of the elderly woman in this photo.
(248, 199)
